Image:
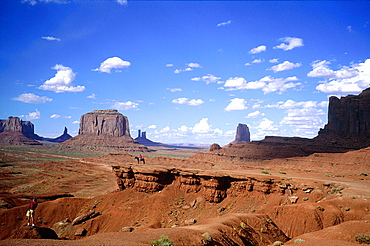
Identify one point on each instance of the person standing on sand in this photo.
(31, 210)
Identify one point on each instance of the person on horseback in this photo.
(140, 158)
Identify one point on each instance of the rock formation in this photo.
(104, 122)
(64, 137)
(141, 138)
(104, 129)
(14, 131)
(214, 147)
(348, 120)
(14, 124)
(242, 134)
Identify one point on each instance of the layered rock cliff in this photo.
(104, 122)
(105, 129)
(348, 120)
(242, 134)
(213, 186)
(14, 131)
(14, 124)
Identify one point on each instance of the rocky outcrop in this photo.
(104, 129)
(14, 131)
(64, 137)
(142, 139)
(213, 186)
(14, 124)
(348, 120)
(242, 134)
(104, 122)
(214, 147)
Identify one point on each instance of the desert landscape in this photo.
(278, 191)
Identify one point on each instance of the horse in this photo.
(139, 159)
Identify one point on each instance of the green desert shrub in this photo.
(162, 241)
(362, 238)
(278, 243)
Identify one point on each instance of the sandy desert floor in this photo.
(70, 183)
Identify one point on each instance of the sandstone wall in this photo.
(349, 115)
(104, 122)
(14, 124)
(214, 186)
(242, 134)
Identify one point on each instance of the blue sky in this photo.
(184, 71)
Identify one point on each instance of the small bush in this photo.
(243, 225)
(162, 241)
(281, 172)
(305, 198)
(363, 174)
(320, 208)
(207, 237)
(298, 240)
(362, 238)
(346, 209)
(278, 243)
(265, 172)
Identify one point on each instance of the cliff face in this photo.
(104, 122)
(105, 129)
(213, 186)
(349, 119)
(17, 132)
(242, 134)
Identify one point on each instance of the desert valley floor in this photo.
(188, 196)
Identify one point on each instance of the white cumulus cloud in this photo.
(187, 101)
(286, 65)
(224, 23)
(268, 84)
(202, 126)
(209, 78)
(62, 81)
(353, 79)
(110, 63)
(254, 114)
(258, 49)
(32, 116)
(32, 98)
(289, 43)
(174, 89)
(237, 104)
(92, 96)
(55, 116)
(125, 105)
(49, 38)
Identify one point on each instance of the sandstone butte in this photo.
(105, 129)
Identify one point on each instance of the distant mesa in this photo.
(15, 131)
(141, 138)
(105, 129)
(242, 134)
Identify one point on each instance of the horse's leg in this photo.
(143, 160)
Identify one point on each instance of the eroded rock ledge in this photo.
(213, 185)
